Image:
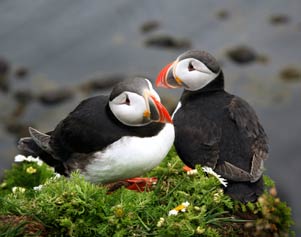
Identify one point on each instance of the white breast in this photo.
(130, 157)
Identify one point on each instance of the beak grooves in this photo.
(161, 79)
(164, 116)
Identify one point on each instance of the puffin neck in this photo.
(216, 85)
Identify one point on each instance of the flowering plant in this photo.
(177, 205)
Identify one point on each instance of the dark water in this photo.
(64, 42)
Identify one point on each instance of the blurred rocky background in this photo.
(55, 53)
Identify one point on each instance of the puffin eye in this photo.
(127, 100)
(190, 67)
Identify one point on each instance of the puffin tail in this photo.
(38, 148)
(29, 147)
(245, 191)
(36, 144)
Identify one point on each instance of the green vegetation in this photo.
(178, 205)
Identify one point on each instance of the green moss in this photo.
(74, 207)
(25, 174)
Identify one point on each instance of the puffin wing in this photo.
(41, 139)
(246, 120)
(86, 129)
(197, 142)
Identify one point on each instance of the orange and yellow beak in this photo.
(156, 111)
(164, 116)
(166, 77)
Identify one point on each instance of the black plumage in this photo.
(91, 126)
(219, 130)
(89, 130)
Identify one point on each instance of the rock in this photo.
(167, 41)
(149, 26)
(101, 82)
(242, 54)
(4, 67)
(4, 74)
(23, 96)
(53, 97)
(263, 59)
(21, 72)
(279, 19)
(19, 110)
(290, 73)
(223, 14)
(17, 128)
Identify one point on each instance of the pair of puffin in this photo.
(214, 128)
(130, 132)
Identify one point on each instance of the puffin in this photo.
(214, 128)
(108, 138)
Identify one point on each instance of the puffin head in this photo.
(134, 102)
(192, 70)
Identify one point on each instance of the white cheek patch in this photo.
(132, 114)
(201, 67)
(197, 78)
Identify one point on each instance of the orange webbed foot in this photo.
(186, 168)
(141, 184)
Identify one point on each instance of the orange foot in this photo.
(186, 168)
(140, 184)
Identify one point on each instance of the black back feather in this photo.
(216, 129)
(91, 127)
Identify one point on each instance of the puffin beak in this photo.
(166, 77)
(156, 111)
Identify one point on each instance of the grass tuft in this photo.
(75, 207)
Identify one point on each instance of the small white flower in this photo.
(53, 178)
(31, 170)
(30, 158)
(56, 176)
(181, 208)
(18, 189)
(39, 162)
(200, 230)
(2, 185)
(173, 212)
(192, 172)
(160, 222)
(218, 195)
(19, 158)
(184, 205)
(36, 160)
(38, 188)
(209, 170)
